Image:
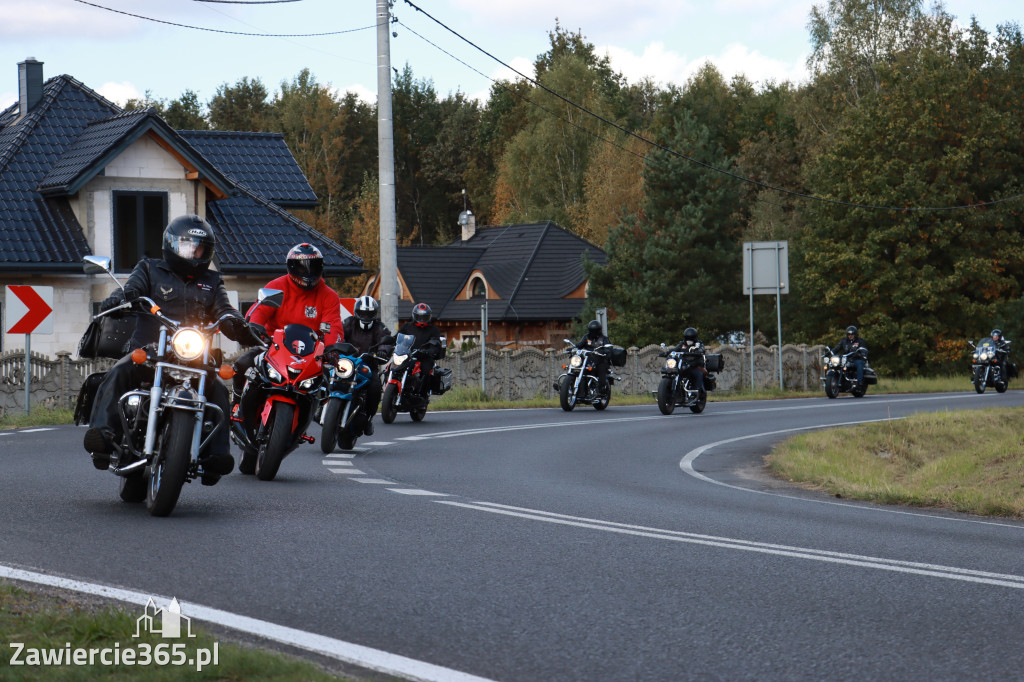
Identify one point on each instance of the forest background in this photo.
(896, 174)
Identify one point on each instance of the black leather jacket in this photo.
(424, 334)
(697, 350)
(846, 345)
(591, 343)
(365, 339)
(198, 300)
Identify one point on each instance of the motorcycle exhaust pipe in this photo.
(131, 468)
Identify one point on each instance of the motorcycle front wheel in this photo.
(979, 381)
(832, 385)
(702, 400)
(666, 397)
(329, 431)
(567, 394)
(272, 452)
(170, 465)
(388, 408)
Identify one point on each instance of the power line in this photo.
(217, 30)
(247, 2)
(673, 152)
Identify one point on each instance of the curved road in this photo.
(542, 545)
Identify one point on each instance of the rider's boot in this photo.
(100, 445)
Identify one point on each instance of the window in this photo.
(139, 221)
(477, 288)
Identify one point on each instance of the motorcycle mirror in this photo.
(662, 344)
(567, 340)
(272, 298)
(93, 265)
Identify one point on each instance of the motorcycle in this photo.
(841, 373)
(579, 384)
(282, 391)
(166, 425)
(404, 389)
(674, 389)
(987, 363)
(349, 374)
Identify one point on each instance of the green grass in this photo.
(969, 461)
(47, 620)
(39, 416)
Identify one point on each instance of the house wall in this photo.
(508, 335)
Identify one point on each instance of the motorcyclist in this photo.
(364, 331)
(848, 344)
(184, 287)
(692, 347)
(592, 340)
(425, 334)
(1001, 344)
(308, 300)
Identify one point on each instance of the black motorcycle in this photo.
(406, 389)
(987, 366)
(169, 421)
(579, 384)
(841, 373)
(675, 390)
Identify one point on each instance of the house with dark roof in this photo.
(80, 176)
(531, 277)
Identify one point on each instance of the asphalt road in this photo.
(543, 545)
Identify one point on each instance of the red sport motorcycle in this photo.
(282, 391)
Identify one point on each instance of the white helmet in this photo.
(365, 310)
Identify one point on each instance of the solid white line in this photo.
(378, 443)
(356, 654)
(378, 481)
(36, 430)
(686, 464)
(413, 491)
(897, 566)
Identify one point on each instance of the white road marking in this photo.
(894, 565)
(356, 654)
(336, 463)
(348, 456)
(372, 480)
(36, 430)
(340, 471)
(413, 491)
(350, 472)
(379, 443)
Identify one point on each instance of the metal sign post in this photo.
(602, 317)
(483, 348)
(766, 271)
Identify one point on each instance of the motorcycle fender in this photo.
(269, 405)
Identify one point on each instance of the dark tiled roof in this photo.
(530, 267)
(254, 235)
(260, 161)
(42, 234)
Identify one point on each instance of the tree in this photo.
(186, 113)
(242, 106)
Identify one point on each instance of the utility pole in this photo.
(386, 170)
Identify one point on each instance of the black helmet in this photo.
(594, 329)
(305, 265)
(365, 311)
(690, 336)
(188, 245)
(851, 330)
(421, 313)
(996, 334)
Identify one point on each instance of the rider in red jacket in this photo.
(307, 300)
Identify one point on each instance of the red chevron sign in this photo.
(31, 309)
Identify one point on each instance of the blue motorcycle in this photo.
(343, 417)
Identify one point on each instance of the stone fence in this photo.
(513, 375)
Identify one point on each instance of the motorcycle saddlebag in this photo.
(710, 382)
(86, 396)
(1011, 369)
(106, 337)
(870, 378)
(713, 362)
(441, 381)
(618, 356)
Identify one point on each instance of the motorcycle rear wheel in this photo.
(418, 413)
(1001, 386)
(272, 452)
(832, 385)
(603, 400)
(666, 399)
(567, 394)
(329, 432)
(702, 401)
(388, 409)
(858, 391)
(170, 465)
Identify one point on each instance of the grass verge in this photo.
(48, 620)
(39, 416)
(968, 461)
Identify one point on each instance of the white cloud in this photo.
(7, 99)
(119, 93)
(638, 17)
(360, 91)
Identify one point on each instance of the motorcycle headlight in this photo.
(671, 363)
(975, 355)
(399, 360)
(346, 368)
(308, 383)
(188, 344)
(576, 361)
(833, 361)
(273, 373)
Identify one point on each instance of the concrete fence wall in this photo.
(512, 375)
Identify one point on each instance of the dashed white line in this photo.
(346, 456)
(379, 443)
(371, 480)
(413, 491)
(341, 471)
(336, 463)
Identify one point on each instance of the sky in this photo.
(122, 57)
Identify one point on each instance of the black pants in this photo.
(373, 394)
(124, 376)
(696, 377)
(243, 364)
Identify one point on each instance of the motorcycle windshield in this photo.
(299, 339)
(403, 345)
(987, 344)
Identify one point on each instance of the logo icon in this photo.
(298, 346)
(311, 312)
(164, 622)
(196, 232)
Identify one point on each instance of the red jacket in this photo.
(302, 306)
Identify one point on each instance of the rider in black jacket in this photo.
(848, 344)
(364, 331)
(426, 334)
(185, 289)
(691, 346)
(1001, 344)
(592, 340)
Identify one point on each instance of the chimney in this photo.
(30, 84)
(468, 222)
